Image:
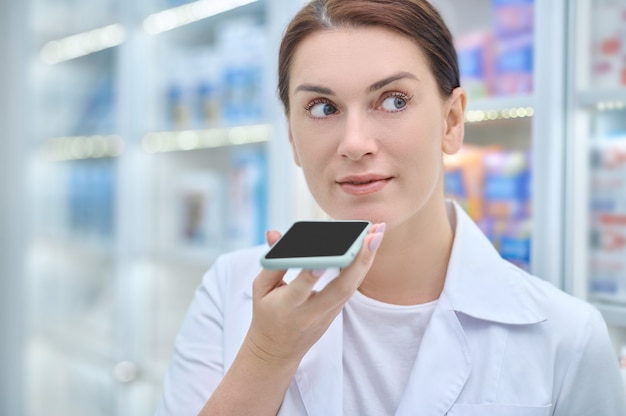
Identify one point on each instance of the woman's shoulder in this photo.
(246, 257)
(235, 270)
(561, 310)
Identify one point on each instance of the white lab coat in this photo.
(500, 342)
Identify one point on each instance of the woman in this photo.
(428, 320)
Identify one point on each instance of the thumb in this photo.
(268, 280)
(272, 237)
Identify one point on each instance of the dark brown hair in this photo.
(415, 19)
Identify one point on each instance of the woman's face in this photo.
(368, 125)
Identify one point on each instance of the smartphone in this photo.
(317, 245)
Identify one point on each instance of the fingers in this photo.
(336, 292)
(302, 286)
(378, 228)
(292, 317)
(268, 280)
(340, 289)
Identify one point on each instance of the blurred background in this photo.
(142, 138)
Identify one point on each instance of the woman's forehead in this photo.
(364, 54)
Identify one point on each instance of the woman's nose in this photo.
(357, 140)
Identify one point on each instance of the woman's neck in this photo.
(411, 264)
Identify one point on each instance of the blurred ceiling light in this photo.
(610, 105)
(82, 44)
(162, 142)
(188, 13)
(84, 147)
(476, 116)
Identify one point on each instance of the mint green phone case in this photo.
(316, 261)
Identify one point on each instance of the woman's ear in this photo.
(454, 121)
(293, 147)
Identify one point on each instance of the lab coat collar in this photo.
(319, 377)
(432, 387)
(479, 283)
(442, 367)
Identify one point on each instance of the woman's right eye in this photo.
(321, 110)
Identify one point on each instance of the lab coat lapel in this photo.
(319, 377)
(442, 367)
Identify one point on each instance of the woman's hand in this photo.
(289, 318)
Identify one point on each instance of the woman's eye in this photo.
(394, 103)
(321, 110)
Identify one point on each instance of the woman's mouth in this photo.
(363, 185)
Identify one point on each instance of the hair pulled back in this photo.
(415, 19)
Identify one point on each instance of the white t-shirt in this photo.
(380, 345)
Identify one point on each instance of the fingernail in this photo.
(318, 272)
(375, 241)
(380, 228)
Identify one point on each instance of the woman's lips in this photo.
(360, 186)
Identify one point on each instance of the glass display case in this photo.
(495, 175)
(491, 175)
(596, 198)
(76, 144)
(159, 144)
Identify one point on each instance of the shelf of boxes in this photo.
(596, 201)
(490, 177)
(154, 131)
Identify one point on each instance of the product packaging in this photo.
(201, 210)
(623, 43)
(247, 199)
(476, 63)
(513, 26)
(507, 184)
(514, 65)
(493, 185)
(608, 33)
(97, 110)
(464, 179)
(242, 44)
(207, 103)
(179, 93)
(91, 193)
(607, 269)
(513, 17)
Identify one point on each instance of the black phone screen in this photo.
(317, 239)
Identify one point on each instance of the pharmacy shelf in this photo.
(603, 99)
(596, 110)
(501, 103)
(500, 108)
(608, 142)
(187, 140)
(117, 299)
(82, 147)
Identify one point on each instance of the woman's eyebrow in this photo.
(314, 88)
(374, 87)
(395, 77)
